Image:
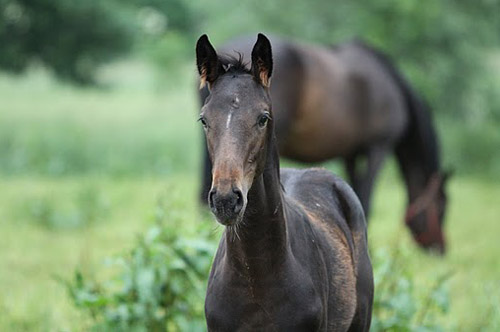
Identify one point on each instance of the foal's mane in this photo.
(234, 64)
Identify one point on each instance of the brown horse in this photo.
(294, 254)
(350, 102)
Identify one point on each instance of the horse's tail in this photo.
(419, 140)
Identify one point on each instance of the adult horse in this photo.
(294, 254)
(350, 102)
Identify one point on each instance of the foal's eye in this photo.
(263, 120)
(203, 122)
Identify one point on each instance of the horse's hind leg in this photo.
(362, 180)
(352, 173)
(355, 166)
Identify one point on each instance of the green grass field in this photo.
(81, 172)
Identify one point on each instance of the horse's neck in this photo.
(416, 174)
(262, 239)
(416, 181)
(418, 151)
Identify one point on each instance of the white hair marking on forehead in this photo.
(228, 121)
(235, 104)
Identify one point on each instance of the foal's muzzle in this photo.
(226, 206)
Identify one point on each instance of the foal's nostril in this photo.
(239, 200)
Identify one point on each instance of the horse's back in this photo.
(348, 101)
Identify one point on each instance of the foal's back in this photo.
(338, 230)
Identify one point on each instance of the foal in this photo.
(294, 254)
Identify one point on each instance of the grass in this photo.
(472, 257)
(110, 155)
(32, 256)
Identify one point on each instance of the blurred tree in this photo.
(73, 37)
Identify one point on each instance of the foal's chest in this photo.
(235, 303)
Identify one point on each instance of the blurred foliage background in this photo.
(98, 143)
(448, 49)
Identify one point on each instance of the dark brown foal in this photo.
(294, 255)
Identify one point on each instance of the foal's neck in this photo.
(261, 240)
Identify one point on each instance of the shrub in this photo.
(398, 304)
(161, 286)
(162, 283)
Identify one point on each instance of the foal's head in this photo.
(425, 216)
(238, 124)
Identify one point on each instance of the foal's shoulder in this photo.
(312, 184)
(315, 178)
(316, 175)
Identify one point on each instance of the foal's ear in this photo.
(262, 60)
(209, 66)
